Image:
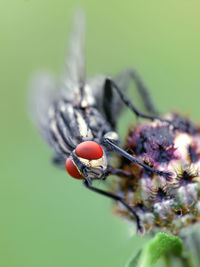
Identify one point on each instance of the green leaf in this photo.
(135, 260)
(161, 245)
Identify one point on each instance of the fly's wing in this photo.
(42, 95)
(43, 105)
(45, 94)
(73, 78)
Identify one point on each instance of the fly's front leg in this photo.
(118, 172)
(87, 182)
(112, 146)
(119, 199)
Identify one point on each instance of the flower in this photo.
(161, 204)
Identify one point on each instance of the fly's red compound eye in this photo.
(89, 150)
(72, 169)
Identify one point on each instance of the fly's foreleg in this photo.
(119, 199)
(117, 172)
(112, 146)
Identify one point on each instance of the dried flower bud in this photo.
(161, 204)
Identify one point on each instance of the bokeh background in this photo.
(47, 218)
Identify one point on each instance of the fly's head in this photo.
(88, 157)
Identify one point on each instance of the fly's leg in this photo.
(118, 172)
(110, 145)
(123, 80)
(87, 182)
(58, 161)
(110, 84)
(119, 199)
(108, 104)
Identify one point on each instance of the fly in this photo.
(78, 117)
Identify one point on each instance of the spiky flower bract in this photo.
(163, 204)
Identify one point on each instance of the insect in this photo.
(78, 117)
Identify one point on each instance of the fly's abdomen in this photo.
(69, 126)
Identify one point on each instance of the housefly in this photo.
(78, 117)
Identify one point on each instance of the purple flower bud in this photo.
(164, 205)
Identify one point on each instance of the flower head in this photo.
(161, 204)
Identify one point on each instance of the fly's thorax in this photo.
(87, 99)
(112, 136)
(80, 96)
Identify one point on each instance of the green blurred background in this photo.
(47, 218)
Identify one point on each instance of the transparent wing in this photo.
(74, 74)
(42, 95)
